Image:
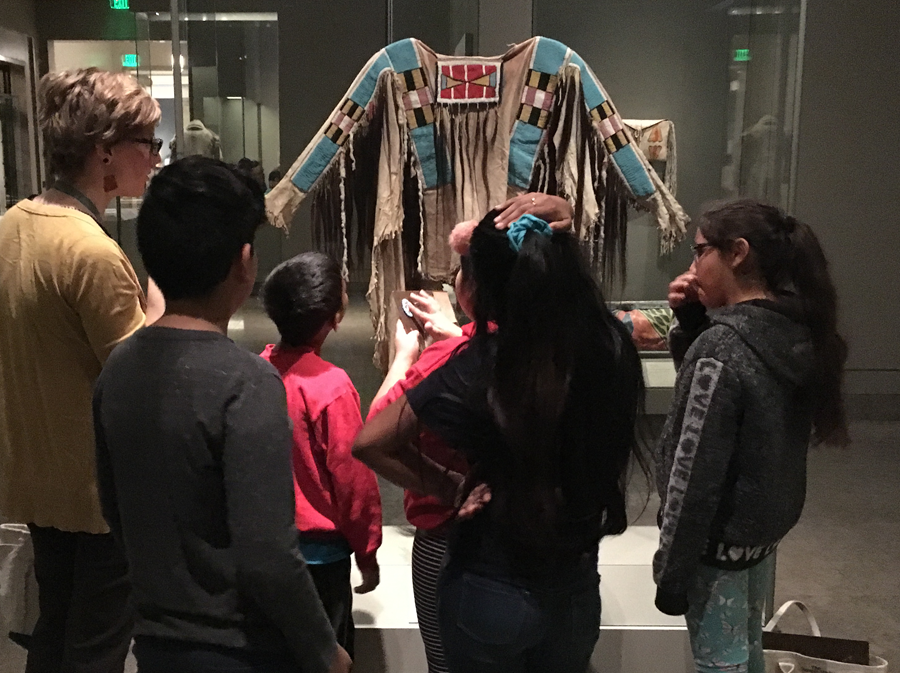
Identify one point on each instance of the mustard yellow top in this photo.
(68, 295)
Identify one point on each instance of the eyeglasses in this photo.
(700, 248)
(155, 143)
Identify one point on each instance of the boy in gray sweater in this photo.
(194, 451)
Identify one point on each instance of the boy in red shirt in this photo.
(338, 503)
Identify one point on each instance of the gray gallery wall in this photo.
(502, 23)
(432, 22)
(19, 16)
(322, 46)
(849, 176)
(656, 60)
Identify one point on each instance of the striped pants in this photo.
(427, 558)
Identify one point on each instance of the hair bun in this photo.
(461, 237)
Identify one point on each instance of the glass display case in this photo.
(229, 90)
(726, 73)
(229, 80)
(18, 145)
(764, 87)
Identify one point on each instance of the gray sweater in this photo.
(195, 480)
(731, 461)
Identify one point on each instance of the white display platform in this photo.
(634, 636)
(659, 379)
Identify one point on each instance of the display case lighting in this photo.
(761, 10)
(255, 17)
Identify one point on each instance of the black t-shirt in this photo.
(195, 478)
(452, 402)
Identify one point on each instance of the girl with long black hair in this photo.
(760, 377)
(542, 401)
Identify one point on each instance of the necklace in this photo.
(71, 190)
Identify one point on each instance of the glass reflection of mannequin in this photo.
(198, 140)
(759, 146)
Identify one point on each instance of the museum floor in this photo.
(842, 559)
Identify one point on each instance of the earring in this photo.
(110, 184)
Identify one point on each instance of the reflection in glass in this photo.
(763, 93)
(229, 81)
(15, 156)
(726, 72)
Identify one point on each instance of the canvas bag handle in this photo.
(813, 624)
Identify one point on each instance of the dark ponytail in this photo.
(788, 257)
(565, 388)
(818, 299)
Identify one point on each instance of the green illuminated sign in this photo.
(741, 55)
(118, 4)
(130, 60)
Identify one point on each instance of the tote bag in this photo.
(798, 653)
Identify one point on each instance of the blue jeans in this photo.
(488, 625)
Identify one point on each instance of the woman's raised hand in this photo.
(555, 210)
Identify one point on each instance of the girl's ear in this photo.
(738, 253)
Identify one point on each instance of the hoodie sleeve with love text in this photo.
(731, 460)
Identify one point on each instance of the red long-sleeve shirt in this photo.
(334, 492)
(425, 511)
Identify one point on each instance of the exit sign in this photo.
(739, 54)
(118, 4)
(130, 61)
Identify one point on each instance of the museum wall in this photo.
(502, 23)
(656, 60)
(19, 16)
(849, 177)
(322, 46)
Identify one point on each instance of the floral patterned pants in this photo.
(725, 618)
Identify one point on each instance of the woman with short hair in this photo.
(69, 295)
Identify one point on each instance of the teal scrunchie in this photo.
(518, 229)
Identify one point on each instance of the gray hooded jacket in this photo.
(731, 461)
